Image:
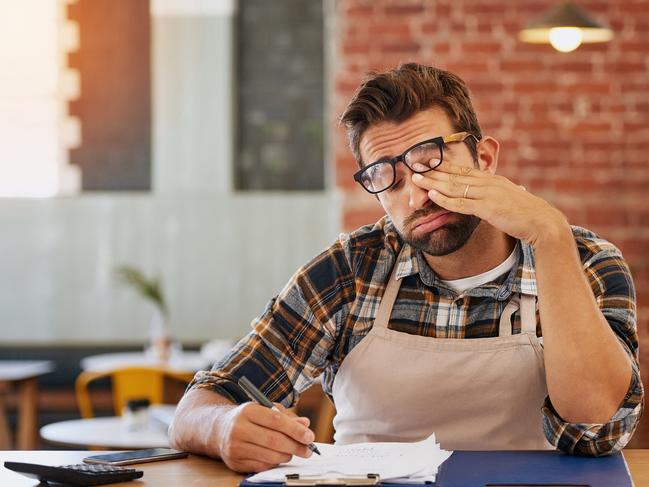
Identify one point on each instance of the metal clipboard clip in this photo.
(294, 480)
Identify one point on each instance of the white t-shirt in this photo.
(466, 283)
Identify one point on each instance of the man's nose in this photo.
(417, 197)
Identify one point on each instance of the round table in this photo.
(182, 362)
(112, 431)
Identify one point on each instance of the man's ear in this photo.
(488, 154)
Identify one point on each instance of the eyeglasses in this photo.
(420, 158)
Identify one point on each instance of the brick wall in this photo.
(574, 128)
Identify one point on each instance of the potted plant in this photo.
(150, 289)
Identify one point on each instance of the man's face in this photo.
(421, 222)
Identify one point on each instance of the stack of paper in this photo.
(394, 462)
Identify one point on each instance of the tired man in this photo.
(472, 309)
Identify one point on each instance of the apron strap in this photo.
(528, 314)
(389, 297)
(505, 327)
(527, 305)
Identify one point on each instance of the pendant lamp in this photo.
(565, 27)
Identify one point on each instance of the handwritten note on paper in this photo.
(418, 461)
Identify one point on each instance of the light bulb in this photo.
(565, 39)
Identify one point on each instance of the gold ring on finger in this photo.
(466, 191)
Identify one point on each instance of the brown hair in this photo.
(398, 94)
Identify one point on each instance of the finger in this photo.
(304, 420)
(291, 412)
(272, 440)
(461, 170)
(455, 182)
(280, 422)
(248, 466)
(457, 205)
(287, 411)
(450, 188)
(457, 178)
(252, 451)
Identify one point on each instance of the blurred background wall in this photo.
(79, 78)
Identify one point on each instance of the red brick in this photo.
(383, 30)
(603, 216)
(363, 11)
(532, 87)
(626, 67)
(637, 45)
(635, 8)
(484, 47)
(400, 47)
(345, 175)
(587, 87)
(575, 67)
(536, 123)
(520, 66)
(464, 68)
(441, 47)
(357, 218)
(396, 10)
(442, 11)
(601, 128)
(354, 48)
(345, 87)
(485, 8)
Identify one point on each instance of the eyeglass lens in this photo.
(420, 159)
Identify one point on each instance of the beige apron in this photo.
(474, 394)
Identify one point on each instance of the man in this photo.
(472, 309)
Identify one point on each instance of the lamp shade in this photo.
(565, 27)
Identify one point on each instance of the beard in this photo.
(443, 240)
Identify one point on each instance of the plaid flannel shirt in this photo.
(329, 305)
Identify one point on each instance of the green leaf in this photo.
(148, 288)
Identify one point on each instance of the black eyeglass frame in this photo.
(439, 141)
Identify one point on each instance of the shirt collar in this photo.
(524, 278)
(521, 279)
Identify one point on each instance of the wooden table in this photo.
(198, 471)
(22, 374)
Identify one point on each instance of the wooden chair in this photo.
(324, 418)
(127, 383)
(315, 404)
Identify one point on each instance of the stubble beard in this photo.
(444, 240)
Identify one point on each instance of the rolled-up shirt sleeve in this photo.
(291, 341)
(612, 285)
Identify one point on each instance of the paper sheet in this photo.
(417, 462)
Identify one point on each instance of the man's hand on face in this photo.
(253, 438)
(495, 199)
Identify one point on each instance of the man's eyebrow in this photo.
(382, 159)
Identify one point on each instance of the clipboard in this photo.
(356, 481)
(294, 480)
(498, 468)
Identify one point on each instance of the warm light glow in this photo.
(565, 39)
(29, 77)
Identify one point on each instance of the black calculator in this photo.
(80, 474)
